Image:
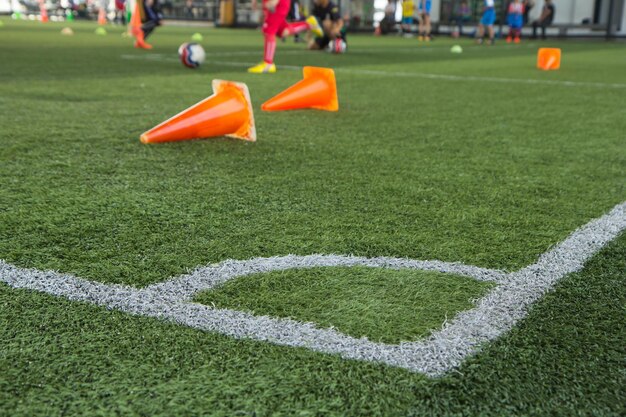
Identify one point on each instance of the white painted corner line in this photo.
(504, 306)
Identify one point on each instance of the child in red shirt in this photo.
(275, 23)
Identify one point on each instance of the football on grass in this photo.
(191, 54)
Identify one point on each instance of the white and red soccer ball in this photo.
(337, 46)
(191, 54)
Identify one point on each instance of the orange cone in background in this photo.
(549, 59)
(135, 28)
(102, 17)
(135, 22)
(228, 112)
(43, 12)
(318, 90)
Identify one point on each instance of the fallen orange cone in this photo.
(549, 59)
(318, 90)
(228, 112)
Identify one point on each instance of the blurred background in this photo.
(572, 17)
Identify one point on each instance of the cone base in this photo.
(228, 112)
(248, 130)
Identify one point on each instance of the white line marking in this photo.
(426, 75)
(494, 315)
(186, 286)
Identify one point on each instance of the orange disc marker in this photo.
(318, 90)
(549, 59)
(228, 112)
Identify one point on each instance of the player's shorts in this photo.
(275, 22)
(407, 20)
(426, 8)
(489, 17)
(515, 22)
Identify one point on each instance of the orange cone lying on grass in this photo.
(318, 90)
(228, 112)
(549, 59)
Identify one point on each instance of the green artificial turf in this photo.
(458, 169)
(63, 358)
(383, 305)
(485, 173)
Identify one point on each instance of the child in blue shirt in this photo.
(487, 21)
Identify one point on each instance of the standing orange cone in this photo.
(102, 17)
(228, 112)
(43, 12)
(135, 27)
(549, 59)
(318, 90)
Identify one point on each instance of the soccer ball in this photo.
(191, 54)
(337, 46)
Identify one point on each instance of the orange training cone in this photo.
(102, 17)
(135, 23)
(549, 59)
(318, 90)
(228, 112)
(44, 12)
(135, 28)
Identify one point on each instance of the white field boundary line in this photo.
(400, 74)
(444, 350)
(306, 52)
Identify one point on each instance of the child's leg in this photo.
(148, 27)
(480, 32)
(420, 26)
(274, 23)
(427, 27)
(269, 48)
(295, 27)
(492, 33)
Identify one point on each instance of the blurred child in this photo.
(515, 20)
(275, 23)
(424, 28)
(150, 15)
(327, 14)
(120, 12)
(463, 15)
(408, 9)
(388, 23)
(487, 21)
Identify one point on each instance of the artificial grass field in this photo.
(383, 305)
(415, 165)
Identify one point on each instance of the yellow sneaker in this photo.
(263, 68)
(314, 26)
